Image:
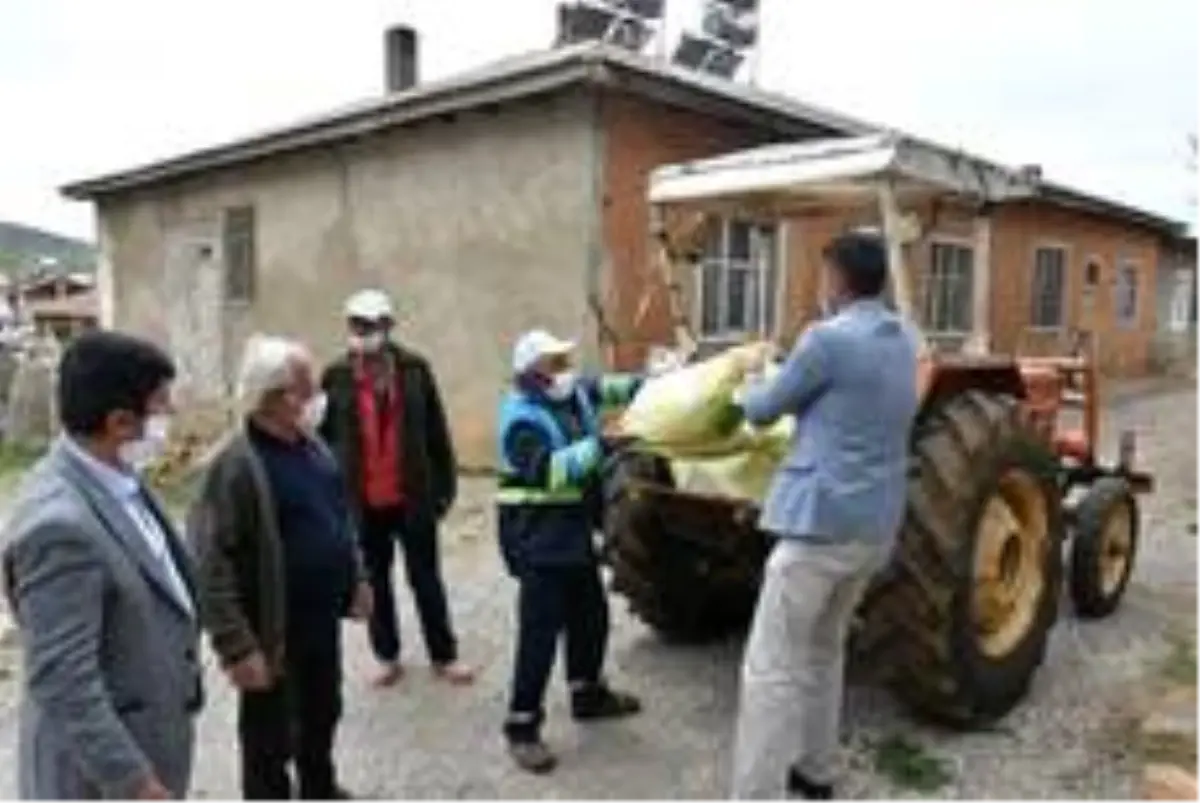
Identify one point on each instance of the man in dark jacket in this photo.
(386, 424)
(279, 569)
(549, 506)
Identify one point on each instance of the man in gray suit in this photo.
(102, 591)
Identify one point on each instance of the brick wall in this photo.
(1020, 229)
(639, 136)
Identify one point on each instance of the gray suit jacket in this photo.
(112, 679)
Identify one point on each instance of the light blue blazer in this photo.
(851, 383)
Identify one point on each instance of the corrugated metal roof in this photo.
(522, 76)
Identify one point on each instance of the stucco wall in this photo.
(478, 225)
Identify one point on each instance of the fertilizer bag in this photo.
(683, 407)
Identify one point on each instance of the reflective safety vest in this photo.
(571, 463)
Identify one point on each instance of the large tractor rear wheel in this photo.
(690, 567)
(960, 617)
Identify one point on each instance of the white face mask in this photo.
(156, 434)
(561, 386)
(368, 343)
(314, 412)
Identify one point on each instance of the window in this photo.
(1126, 295)
(1195, 295)
(1183, 296)
(948, 289)
(240, 254)
(738, 280)
(1049, 286)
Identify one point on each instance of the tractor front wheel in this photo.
(1103, 546)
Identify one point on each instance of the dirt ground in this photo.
(1069, 739)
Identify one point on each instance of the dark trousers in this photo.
(379, 532)
(294, 722)
(565, 600)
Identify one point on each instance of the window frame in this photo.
(235, 234)
(947, 241)
(770, 300)
(1127, 266)
(1032, 322)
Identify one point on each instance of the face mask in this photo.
(368, 343)
(561, 386)
(156, 434)
(314, 412)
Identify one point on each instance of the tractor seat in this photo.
(1073, 444)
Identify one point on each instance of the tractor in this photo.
(1008, 500)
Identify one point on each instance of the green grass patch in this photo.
(909, 765)
(1180, 664)
(16, 458)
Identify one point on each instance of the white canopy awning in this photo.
(838, 172)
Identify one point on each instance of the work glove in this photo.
(727, 420)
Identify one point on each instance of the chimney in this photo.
(400, 57)
(1031, 173)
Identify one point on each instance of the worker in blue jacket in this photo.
(549, 507)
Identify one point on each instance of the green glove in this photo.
(727, 420)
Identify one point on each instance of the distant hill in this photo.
(29, 250)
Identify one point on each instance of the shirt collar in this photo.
(122, 484)
(863, 305)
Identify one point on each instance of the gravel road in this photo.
(427, 740)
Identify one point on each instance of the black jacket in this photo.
(430, 472)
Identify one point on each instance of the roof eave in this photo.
(403, 108)
(1064, 196)
(601, 65)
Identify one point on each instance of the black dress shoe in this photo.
(799, 786)
(601, 702)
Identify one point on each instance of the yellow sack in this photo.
(678, 416)
(746, 476)
(682, 408)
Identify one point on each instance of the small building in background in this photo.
(59, 305)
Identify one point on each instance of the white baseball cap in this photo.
(533, 346)
(369, 305)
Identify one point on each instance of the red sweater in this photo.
(381, 430)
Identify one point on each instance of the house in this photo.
(61, 305)
(514, 196)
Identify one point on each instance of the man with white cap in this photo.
(549, 506)
(386, 423)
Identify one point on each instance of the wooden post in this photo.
(893, 232)
(980, 341)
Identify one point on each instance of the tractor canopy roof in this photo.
(837, 174)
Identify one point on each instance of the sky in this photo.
(1101, 93)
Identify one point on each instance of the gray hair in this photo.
(268, 363)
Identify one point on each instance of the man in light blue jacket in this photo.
(834, 507)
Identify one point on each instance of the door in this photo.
(1179, 318)
(194, 293)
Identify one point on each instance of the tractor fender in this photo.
(942, 378)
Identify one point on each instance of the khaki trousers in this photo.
(792, 672)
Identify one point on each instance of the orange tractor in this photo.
(1006, 504)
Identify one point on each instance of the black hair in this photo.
(861, 259)
(102, 372)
